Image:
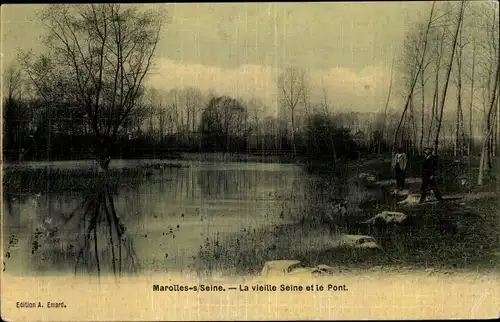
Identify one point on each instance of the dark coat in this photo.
(429, 166)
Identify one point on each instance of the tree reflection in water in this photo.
(101, 219)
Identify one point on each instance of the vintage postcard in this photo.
(250, 161)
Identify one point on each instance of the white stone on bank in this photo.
(388, 217)
(359, 241)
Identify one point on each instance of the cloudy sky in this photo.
(239, 49)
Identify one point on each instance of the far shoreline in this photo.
(182, 156)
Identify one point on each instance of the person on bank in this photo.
(429, 174)
(399, 163)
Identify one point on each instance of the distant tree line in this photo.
(454, 49)
(85, 97)
(161, 125)
(36, 130)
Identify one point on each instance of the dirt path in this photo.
(411, 195)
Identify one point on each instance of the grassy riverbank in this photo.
(460, 235)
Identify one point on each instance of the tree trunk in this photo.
(456, 146)
(459, 125)
(413, 124)
(435, 97)
(104, 161)
(494, 138)
(414, 81)
(293, 133)
(448, 73)
(103, 147)
(386, 106)
(462, 133)
(492, 110)
(498, 129)
(422, 125)
(471, 137)
(491, 126)
(480, 179)
(484, 155)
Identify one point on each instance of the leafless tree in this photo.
(15, 114)
(492, 110)
(471, 77)
(12, 83)
(491, 62)
(438, 40)
(383, 122)
(423, 81)
(415, 71)
(149, 101)
(193, 100)
(326, 111)
(174, 106)
(459, 22)
(255, 108)
(460, 132)
(103, 52)
(292, 91)
(224, 119)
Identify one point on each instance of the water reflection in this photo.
(154, 225)
(100, 216)
(62, 232)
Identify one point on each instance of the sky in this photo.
(239, 48)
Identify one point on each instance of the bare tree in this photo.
(422, 108)
(415, 55)
(420, 64)
(384, 120)
(326, 110)
(492, 111)
(255, 108)
(193, 100)
(149, 101)
(12, 83)
(174, 104)
(459, 136)
(292, 90)
(224, 119)
(15, 114)
(458, 80)
(491, 90)
(448, 72)
(471, 99)
(105, 51)
(438, 47)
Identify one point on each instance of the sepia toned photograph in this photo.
(245, 161)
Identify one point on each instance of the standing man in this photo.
(399, 162)
(429, 173)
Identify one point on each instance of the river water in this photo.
(167, 220)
